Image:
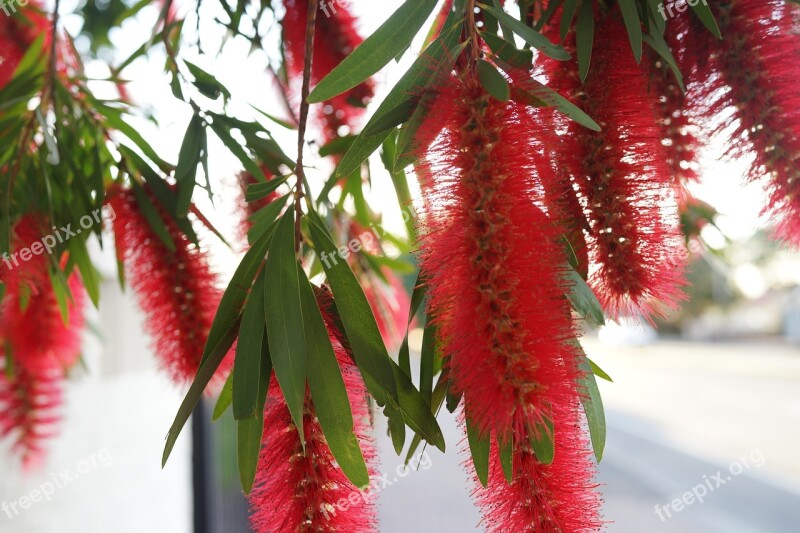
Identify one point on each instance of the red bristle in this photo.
(494, 262)
(623, 180)
(555, 498)
(177, 290)
(32, 323)
(17, 31)
(297, 491)
(29, 404)
(747, 85)
(335, 38)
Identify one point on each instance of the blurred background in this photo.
(705, 403)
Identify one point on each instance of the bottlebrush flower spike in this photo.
(29, 404)
(555, 498)
(753, 72)
(625, 185)
(177, 290)
(494, 261)
(17, 31)
(32, 324)
(335, 38)
(297, 491)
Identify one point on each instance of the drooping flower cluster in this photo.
(176, 288)
(496, 272)
(297, 490)
(18, 30)
(745, 86)
(37, 345)
(622, 178)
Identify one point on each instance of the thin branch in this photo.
(311, 23)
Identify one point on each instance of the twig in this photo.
(311, 23)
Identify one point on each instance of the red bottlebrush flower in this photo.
(177, 290)
(32, 324)
(494, 262)
(554, 498)
(335, 38)
(29, 405)
(296, 491)
(747, 83)
(678, 131)
(623, 180)
(17, 31)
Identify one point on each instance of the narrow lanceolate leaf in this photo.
(385, 44)
(630, 14)
(225, 399)
(592, 405)
(359, 323)
(528, 34)
(258, 191)
(584, 38)
(247, 366)
(188, 161)
(543, 442)
(706, 16)
(416, 411)
(494, 82)
(535, 93)
(249, 437)
(328, 392)
(204, 375)
(410, 85)
(599, 372)
(286, 324)
(232, 302)
(479, 448)
(583, 299)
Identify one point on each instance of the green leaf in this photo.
(416, 411)
(247, 365)
(409, 85)
(286, 323)
(232, 302)
(359, 323)
(188, 161)
(584, 38)
(394, 36)
(542, 441)
(531, 92)
(583, 299)
(479, 448)
(207, 370)
(438, 398)
(630, 14)
(567, 16)
(508, 52)
(427, 359)
(599, 372)
(207, 84)
(657, 43)
(528, 34)
(225, 399)
(706, 16)
(493, 82)
(328, 391)
(592, 405)
(250, 433)
(259, 191)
